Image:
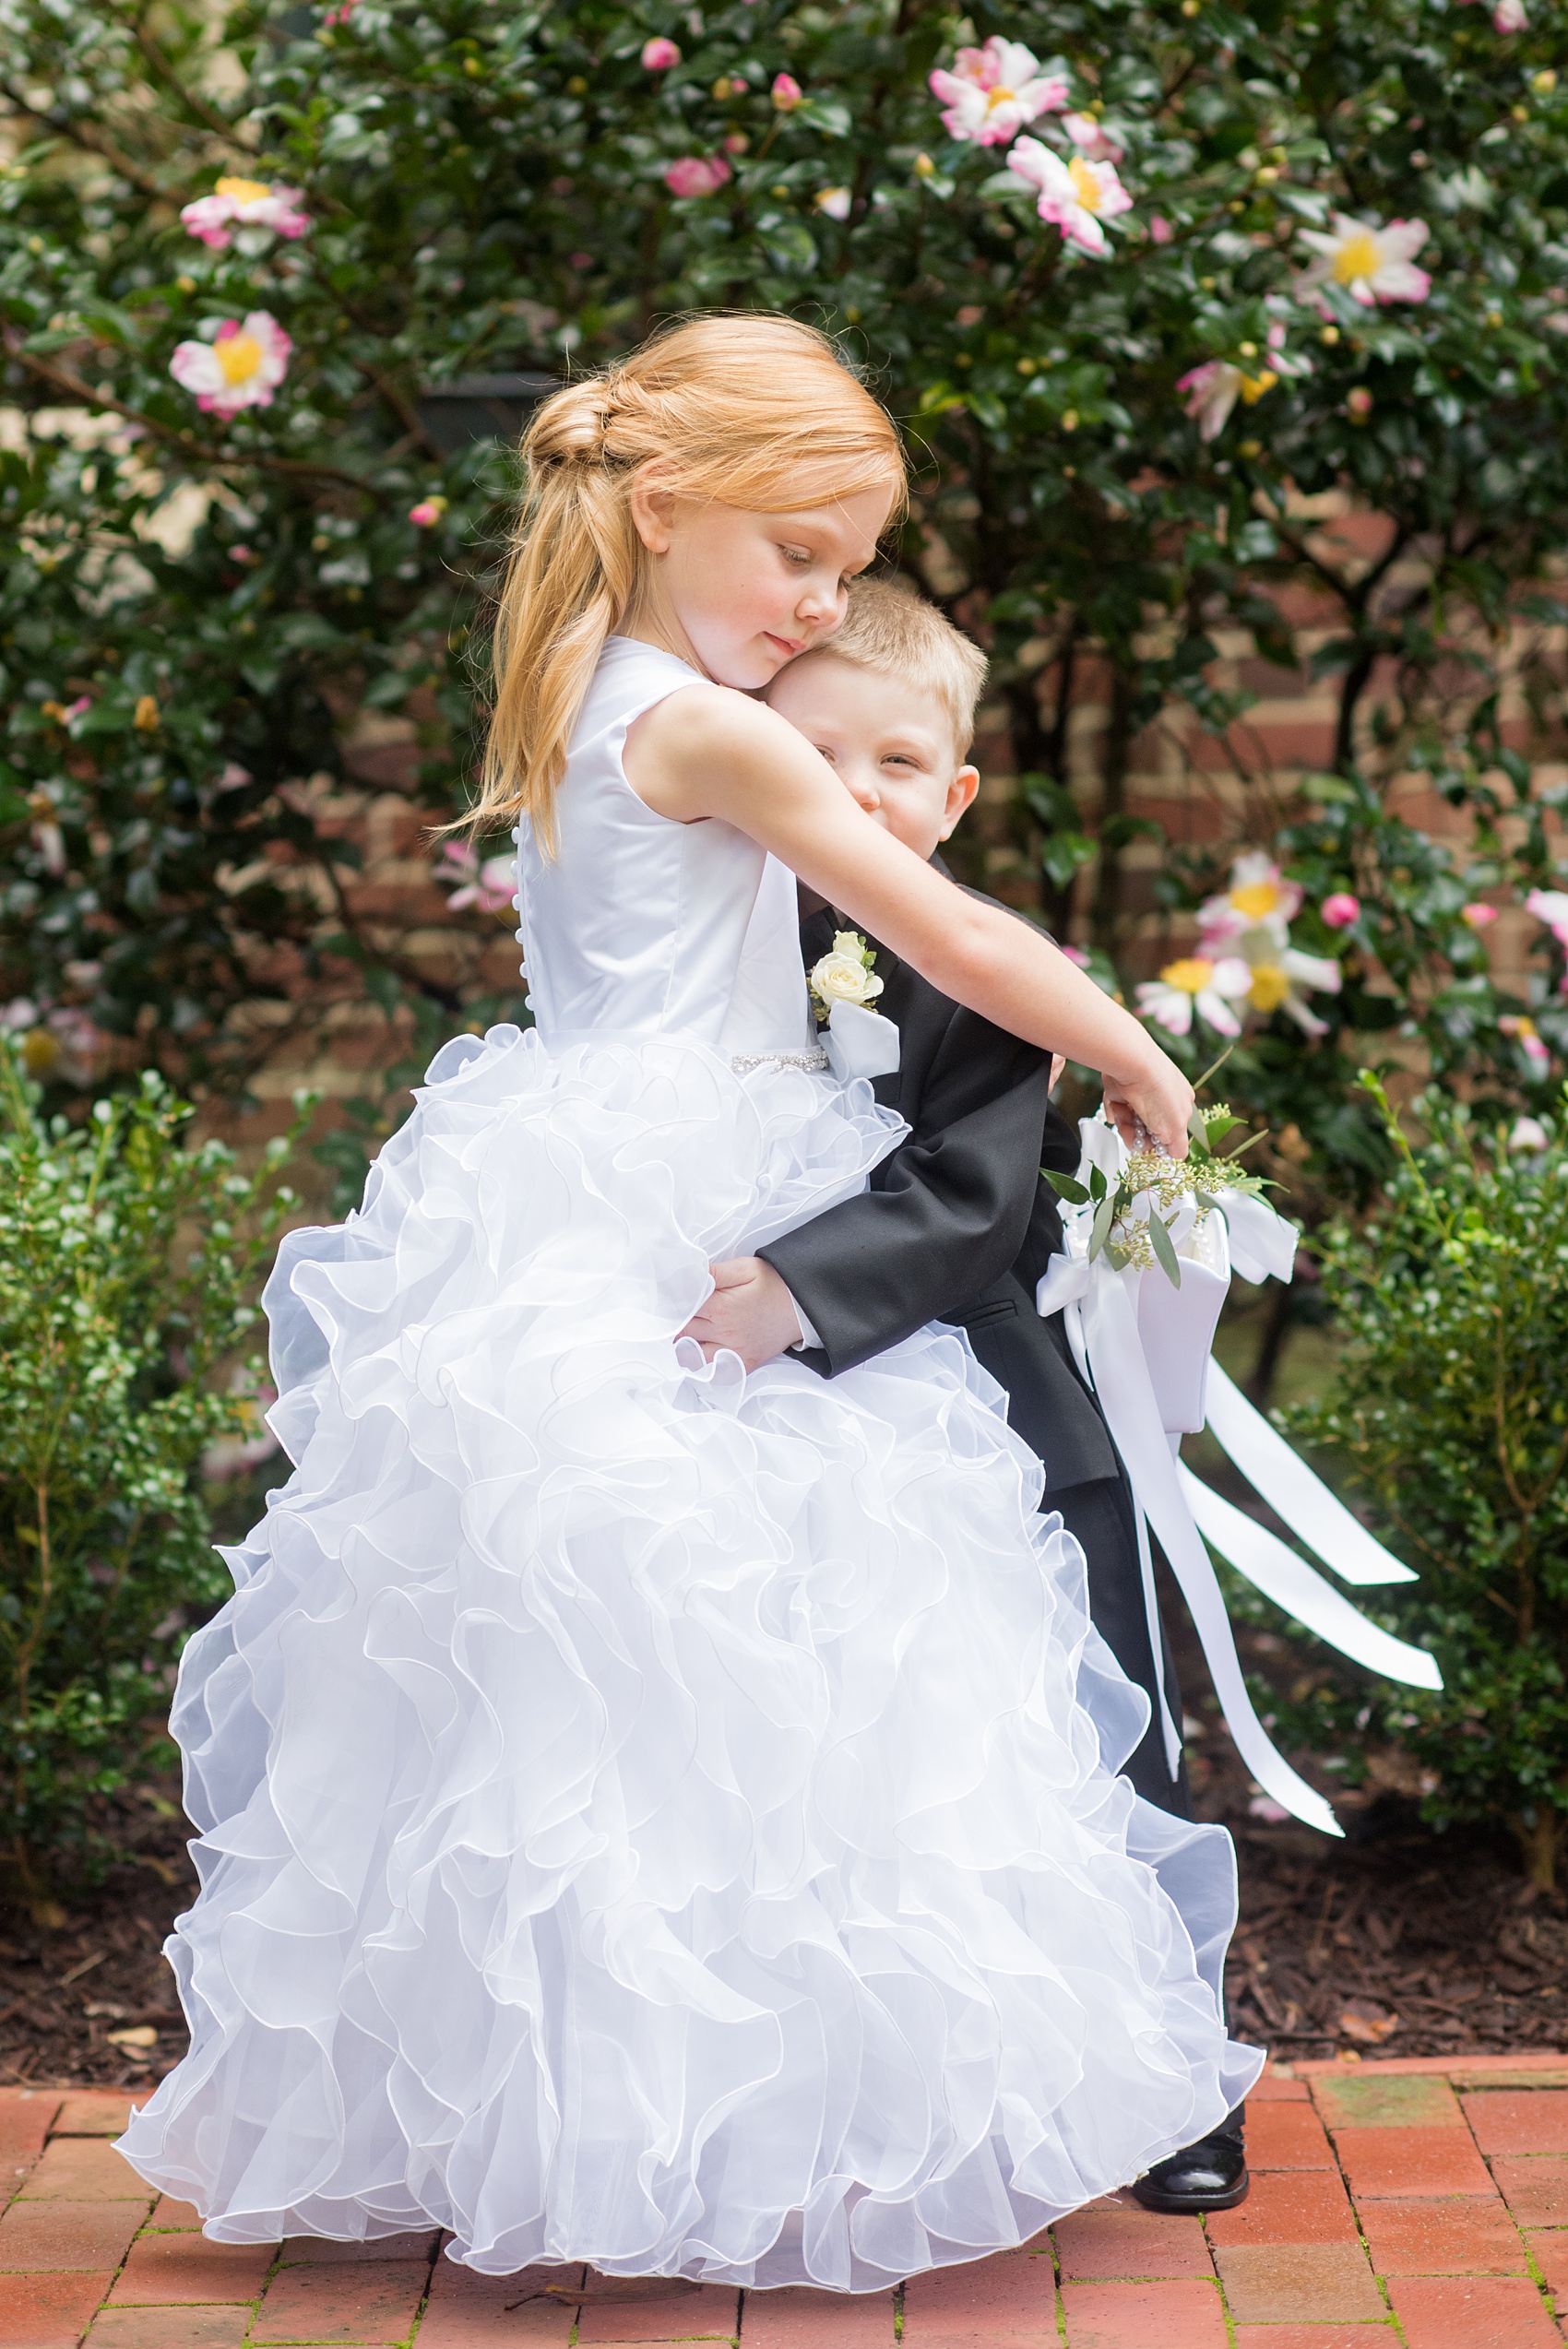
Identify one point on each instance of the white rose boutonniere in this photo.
(844, 976)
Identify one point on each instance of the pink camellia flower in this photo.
(240, 368)
(1526, 1133)
(787, 93)
(427, 513)
(253, 203)
(1478, 914)
(697, 176)
(1551, 906)
(1093, 139)
(993, 92)
(1371, 263)
(1528, 1038)
(1075, 195)
(834, 201)
(660, 54)
(1510, 16)
(1159, 228)
(1358, 404)
(490, 887)
(1340, 909)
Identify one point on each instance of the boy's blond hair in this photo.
(898, 633)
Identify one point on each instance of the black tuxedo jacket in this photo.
(958, 1224)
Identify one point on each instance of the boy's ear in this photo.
(960, 797)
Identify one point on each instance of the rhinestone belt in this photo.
(743, 1062)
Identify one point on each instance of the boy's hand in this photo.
(750, 1314)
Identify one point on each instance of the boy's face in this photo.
(891, 740)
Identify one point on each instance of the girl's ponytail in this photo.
(751, 411)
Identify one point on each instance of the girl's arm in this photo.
(709, 752)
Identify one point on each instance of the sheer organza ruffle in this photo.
(650, 1815)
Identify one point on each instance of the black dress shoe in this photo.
(1209, 2176)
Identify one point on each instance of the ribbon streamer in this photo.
(1147, 1358)
(859, 1042)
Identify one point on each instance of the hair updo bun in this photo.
(747, 410)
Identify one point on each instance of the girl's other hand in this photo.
(1152, 1107)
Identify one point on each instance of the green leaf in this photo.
(1065, 1188)
(1097, 1183)
(1159, 1238)
(1104, 1217)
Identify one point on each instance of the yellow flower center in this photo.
(1523, 1027)
(239, 356)
(1084, 181)
(1190, 976)
(1252, 387)
(1270, 986)
(1259, 897)
(1358, 257)
(244, 191)
(999, 97)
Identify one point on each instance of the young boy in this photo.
(957, 1224)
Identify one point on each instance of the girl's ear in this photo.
(960, 797)
(653, 509)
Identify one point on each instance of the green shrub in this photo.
(1450, 1411)
(127, 1273)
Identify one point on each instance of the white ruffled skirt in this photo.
(651, 1815)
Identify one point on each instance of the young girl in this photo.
(651, 1814)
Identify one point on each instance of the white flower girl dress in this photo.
(651, 1815)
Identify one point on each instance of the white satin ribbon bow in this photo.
(1143, 1346)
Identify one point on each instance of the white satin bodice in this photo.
(640, 926)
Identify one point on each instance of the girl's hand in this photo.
(1152, 1107)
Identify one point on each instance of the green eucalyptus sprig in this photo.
(1164, 1181)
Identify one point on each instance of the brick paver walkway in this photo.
(1392, 2203)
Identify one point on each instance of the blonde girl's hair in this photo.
(751, 411)
(890, 628)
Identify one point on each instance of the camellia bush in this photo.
(1152, 285)
(127, 1274)
(1447, 1414)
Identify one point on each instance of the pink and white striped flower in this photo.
(1075, 195)
(1551, 906)
(490, 887)
(993, 92)
(254, 204)
(242, 367)
(1200, 985)
(1094, 140)
(1372, 262)
(1529, 1039)
(1213, 389)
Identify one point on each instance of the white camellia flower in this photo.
(993, 91)
(1075, 195)
(1278, 982)
(252, 204)
(242, 367)
(1197, 983)
(1371, 263)
(1526, 1133)
(1259, 896)
(1213, 389)
(844, 976)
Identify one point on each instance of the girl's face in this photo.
(740, 594)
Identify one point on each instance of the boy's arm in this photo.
(949, 1213)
